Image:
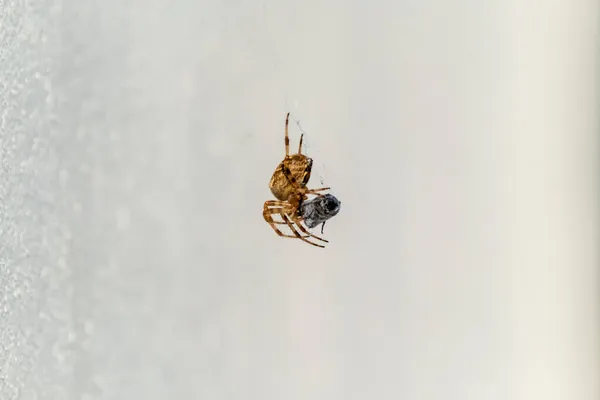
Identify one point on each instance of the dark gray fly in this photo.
(319, 210)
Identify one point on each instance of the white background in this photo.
(137, 139)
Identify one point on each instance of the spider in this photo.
(288, 185)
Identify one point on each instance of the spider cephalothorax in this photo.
(288, 185)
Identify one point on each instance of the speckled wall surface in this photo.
(35, 276)
(137, 139)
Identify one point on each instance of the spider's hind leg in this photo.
(298, 223)
(303, 238)
(268, 216)
(274, 207)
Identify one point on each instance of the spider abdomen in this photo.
(291, 175)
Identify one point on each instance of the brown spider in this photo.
(288, 185)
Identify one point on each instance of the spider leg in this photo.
(277, 203)
(287, 138)
(300, 145)
(272, 207)
(281, 212)
(271, 222)
(302, 229)
(282, 208)
(286, 170)
(312, 191)
(298, 223)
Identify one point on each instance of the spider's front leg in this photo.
(313, 191)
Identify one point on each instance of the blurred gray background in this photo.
(137, 140)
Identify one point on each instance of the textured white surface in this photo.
(137, 140)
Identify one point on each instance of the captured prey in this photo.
(319, 210)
